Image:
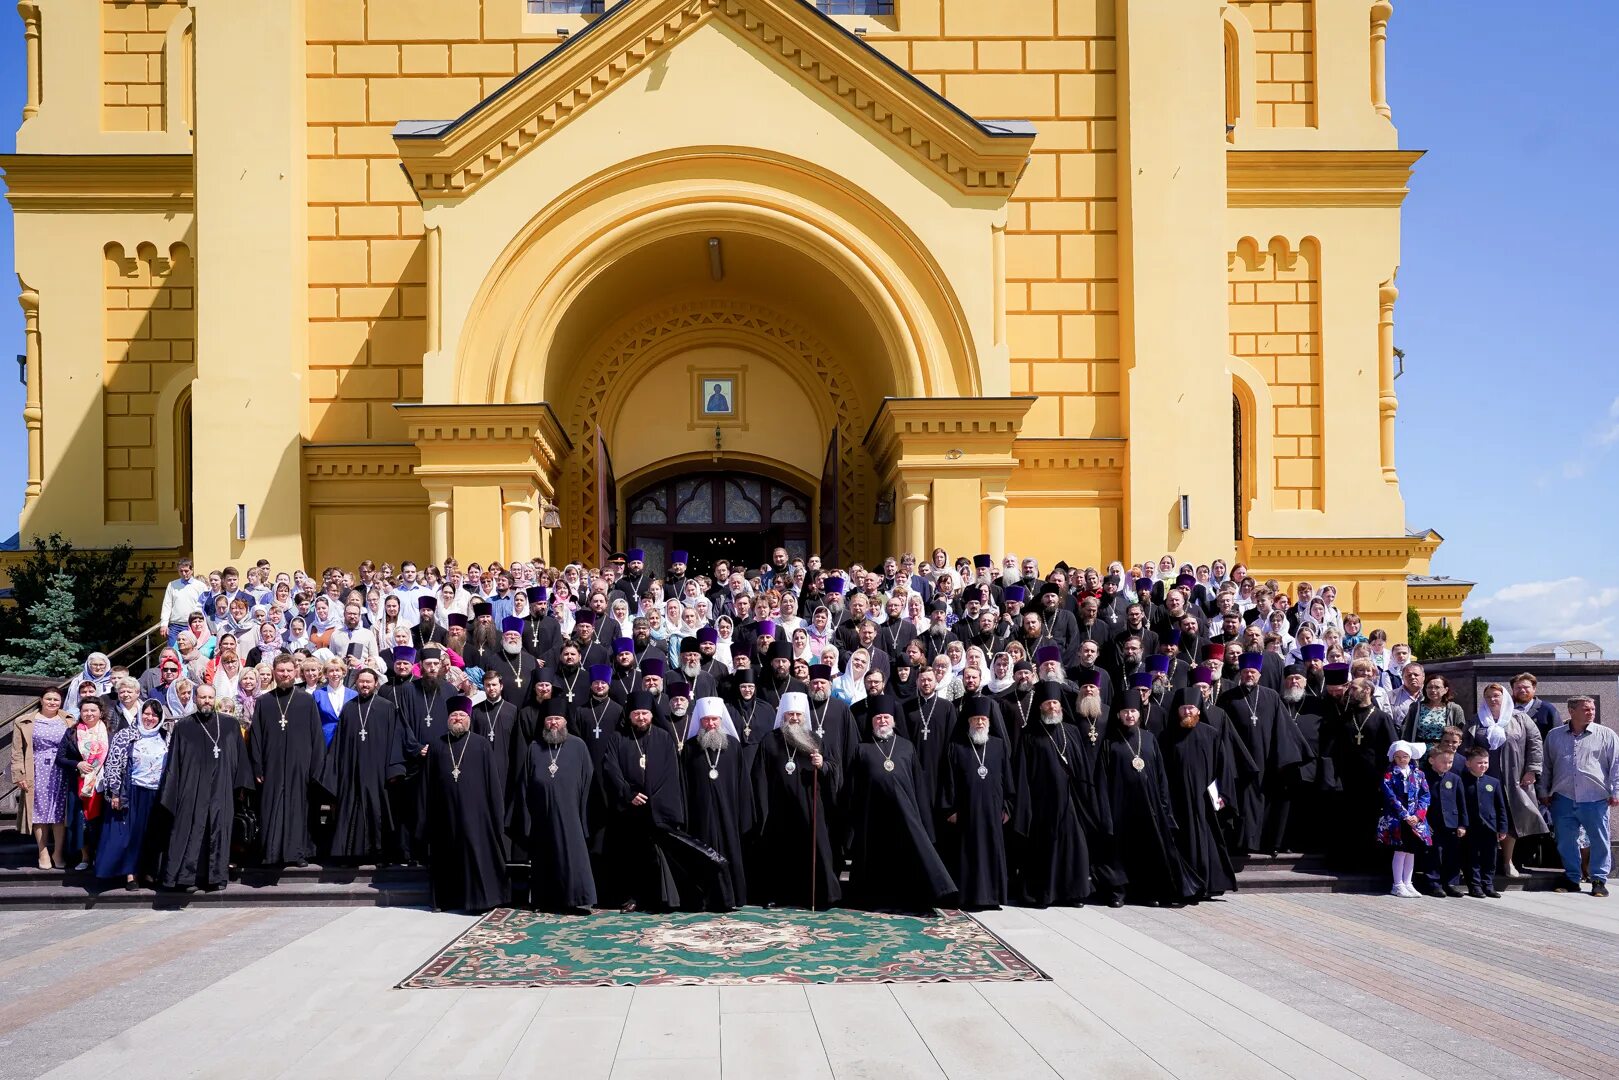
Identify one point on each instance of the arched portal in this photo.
(731, 513)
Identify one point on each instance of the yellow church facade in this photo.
(1082, 279)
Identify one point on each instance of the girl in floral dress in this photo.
(1404, 824)
(48, 792)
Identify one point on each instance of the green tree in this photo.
(50, 646)
(1438, 642)
(1413, 626)
(1474, 638)
(109, 598)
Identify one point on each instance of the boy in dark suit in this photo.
(1447, 816)
(1487, 822)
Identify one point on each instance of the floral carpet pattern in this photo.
(515, 948)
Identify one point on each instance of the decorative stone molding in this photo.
(1387, 403)
(33, 412)
(1382, 11)
(693, 317)
(449, 159)
(99, 181)
(1279, 178)
(29, 10)
(1080, 454)
(355, 461)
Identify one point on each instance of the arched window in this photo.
(1233, 82)
(1238, 497)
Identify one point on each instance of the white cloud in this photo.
(1536, 612)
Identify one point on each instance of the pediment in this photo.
(449, 159)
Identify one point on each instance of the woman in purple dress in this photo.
(44, 796)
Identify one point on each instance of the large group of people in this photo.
(901, 737)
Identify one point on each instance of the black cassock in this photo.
(1354, 756)
(1256, 717)
(286, 762)
(631, 834)
(1194, 758)
(893, 864)
(550, 820)
(1299, 829)
(978, 803)
(365, 755)
(1143, 818)
(927, 725)
(1053, 780)
(465, 823)
(719, 811)
(196, 800)
(498, 724)
(784, 805)
(405, 795)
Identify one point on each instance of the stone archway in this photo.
(676, 326)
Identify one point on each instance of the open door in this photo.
(606, 503)
(829, 504)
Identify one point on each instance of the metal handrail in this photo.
(144, 638)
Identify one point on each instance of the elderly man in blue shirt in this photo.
(1580, 780)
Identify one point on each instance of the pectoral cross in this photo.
(216, 752)
(455, 774)
(283, 723)
(362, 734)
(1359, 738)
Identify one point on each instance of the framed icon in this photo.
(719, 397)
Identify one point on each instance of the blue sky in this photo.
(1508, 430)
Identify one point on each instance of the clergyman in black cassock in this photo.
(1054, 777)
(791, 793)
(1355, 740)
(893, 863)
(466, 817)
(719, 794)
(1137, 793)
(366, 755)
(1194, 761)
(1256, 715)
(975, 800)
(496, 720)
(641, 792)
(551, 789)
(206, 767)
(287, 748)
(409, 842)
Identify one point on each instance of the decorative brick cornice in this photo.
(1393, 548)
(450, 159)
(326, 461)
(1084, 454)
(1318, 177)
(99, 181)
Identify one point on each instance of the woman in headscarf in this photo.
(247, 694)
(297, 635)
(820, 626)
(1000, 674)
(372, 612)
(1276, 623)
(788, 621)
(1136, 788)
(266, 645)
(850, 686)
(97, 671)
(802, 649)
(178, 701)
(1516, 754)
(725, 629)
(320, 621)
(81, 757)
(225, 669)
(42, 792)
(134, 769)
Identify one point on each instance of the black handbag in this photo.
(245, 826)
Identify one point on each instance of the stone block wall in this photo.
(133, 62)
(150, 331)
(1284, 61)
(1275, 317)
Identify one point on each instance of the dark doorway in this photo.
(730, 515)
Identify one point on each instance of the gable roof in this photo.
(448, 159)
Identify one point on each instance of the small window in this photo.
(565, 7)
(856, 7)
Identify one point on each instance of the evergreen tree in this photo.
(1413, 627)
(50, 646)
(1438, 642)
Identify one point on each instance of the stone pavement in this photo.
(1309, 986)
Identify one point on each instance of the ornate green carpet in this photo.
(522, 948)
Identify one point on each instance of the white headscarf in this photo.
(1414, 750)
(1495, 730)
(795, 701)
(710, 706)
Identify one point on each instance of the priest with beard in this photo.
(1055, 798)
(927, 724)
(1271, 752)
(778, 680)
(426, 630)
(750, 717)
(466, 816)
(719, 796)
(1355, 741)
(366, 755)
(1195, 760)
(205, 774)
(541, 632)
(494, 718)
(1017, 700)
(286, 746)
(516, 668)
(1297, 824)
(408, 844)
(1090, 713)
(893, 863)
(1136, 790)
(593, 719)
(551, 789)
(793, 782)
(570, 680)
(691, 668)
(675, 716)
(642, 798)
(1147, 689)
(975, 801)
